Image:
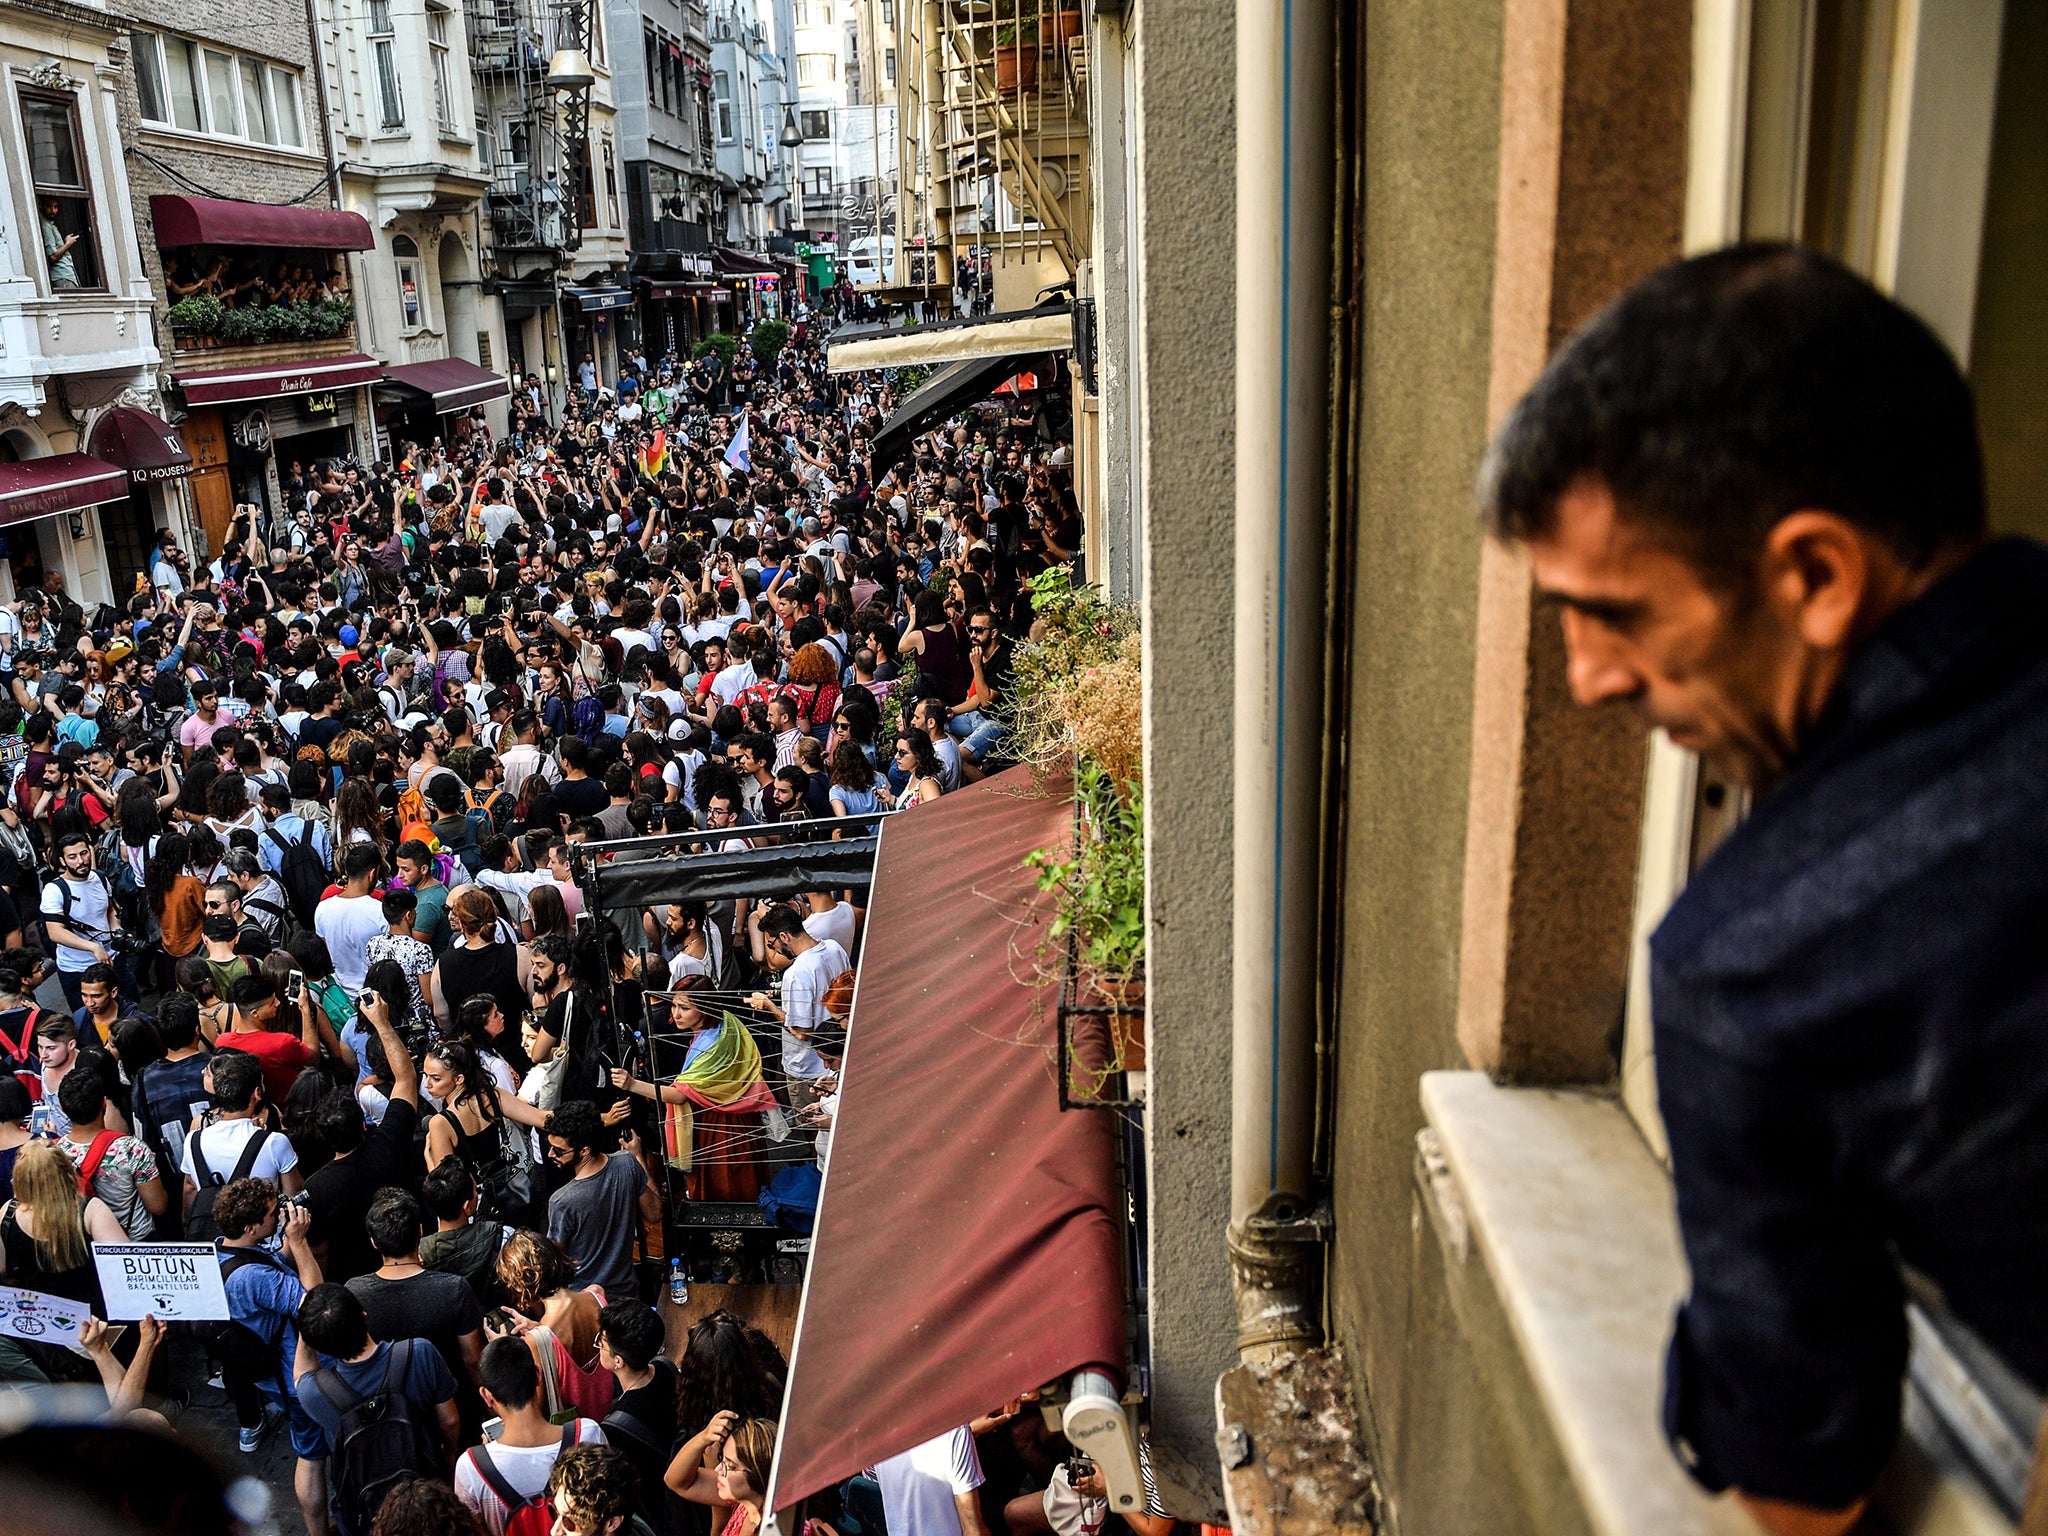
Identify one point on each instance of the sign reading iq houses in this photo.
(177, 1282)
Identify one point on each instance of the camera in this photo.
(300, 1201)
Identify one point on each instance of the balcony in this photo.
(90, 333)
(201, 326)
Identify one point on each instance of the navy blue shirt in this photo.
(1851, 1019)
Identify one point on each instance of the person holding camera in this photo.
(80, 918)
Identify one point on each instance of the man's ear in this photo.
(1816, 568)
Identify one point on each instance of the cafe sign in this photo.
(321, 403)
(253, 432)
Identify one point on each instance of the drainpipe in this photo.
(1285, 50)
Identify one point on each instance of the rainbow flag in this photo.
(654, 454)
(725, 1075)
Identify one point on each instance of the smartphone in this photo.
(492, 1428)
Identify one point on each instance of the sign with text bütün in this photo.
(176, 1282)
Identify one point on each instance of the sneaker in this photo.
(252, 1439)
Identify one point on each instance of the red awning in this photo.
(223, 386)
(223, 221)
(60, 482)
(455, 383)
(967, 1247)
(740, 263)
(147, 446)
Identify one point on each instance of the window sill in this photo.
(1564, 1265)
(214, 141)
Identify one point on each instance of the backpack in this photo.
(102, 1144)
(237, 1345)
(122, 883)
(523, 1516)
(200, 1227)
(22, 1053)
(382, 1441)
(300, 873)
(482, 826)
(412, 807)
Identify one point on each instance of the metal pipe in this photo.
(1285, 90)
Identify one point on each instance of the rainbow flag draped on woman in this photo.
(726, 1076)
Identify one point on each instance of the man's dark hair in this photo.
(507, 1372)
(177, 1021)
(332, 1320)
(82, 1096)
(394, 1223)
(780, 922)
(446, 1189)
(249, 991)
(338, 1121)
(1729, 390)
(633, 1330)
(577, 1123)
(445, 793)
(360, 860)
(399, 903)
(99, 974)
(236, 1077)
(242, 1205)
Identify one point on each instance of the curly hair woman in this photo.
(176, 896)
(535, 1272)
(357, 819)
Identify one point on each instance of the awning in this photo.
(223, 221)
(58, 482)
(147, 446)
(454, 383)
(600, 298)
(946, 393)
(1045, 330)
(740, 263)
(968, 1250)
(777, 869)
(223, 386)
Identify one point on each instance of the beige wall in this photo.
(1522, 161)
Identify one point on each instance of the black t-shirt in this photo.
(430, 1305)
(472, 1253)
(576, 1030)
(319, 730)
(649, 1439)
(339, 1195)
(582, 797)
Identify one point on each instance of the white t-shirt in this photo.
(89, 901)
(347, 924)
(734, 681)
(525, 1467)
(496, 518)
(223, 1143)
(918, 1487)
(628, 638)
(803, 1004)
(836, 925)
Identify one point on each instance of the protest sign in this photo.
(177, 1282)
(45, 1319)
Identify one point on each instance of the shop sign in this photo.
(253, 430)
(322, 403)
(160, 472)
(766, 284)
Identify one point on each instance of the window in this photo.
(384, 53)
(657, 77)
(889, 65)
(817, 123)
(814, 13)
(816, 69)
(888, 13)
(597, 37)
(817, 183)
(411, 307)
(444, 90)
(721, 91)
(63, 200)
(516, 141)
(230, 96)
(220, 94)
(611, 186)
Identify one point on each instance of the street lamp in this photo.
(791, 135)
(569, 70)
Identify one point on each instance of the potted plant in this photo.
(1056, 29)
(1017, 52)
(768, 340)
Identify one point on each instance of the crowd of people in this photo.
(298, 831)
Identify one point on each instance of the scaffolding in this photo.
(993, 158)
(540, 166)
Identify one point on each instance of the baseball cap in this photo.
(348, 634)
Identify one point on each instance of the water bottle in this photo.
(678, 1285)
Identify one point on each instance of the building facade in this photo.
(77, 333)
(663, 103)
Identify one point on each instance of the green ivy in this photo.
(768, 340)
(725, 345)
(1098, 887)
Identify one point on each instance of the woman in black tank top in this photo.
(479, 961)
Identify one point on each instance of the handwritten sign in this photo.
(178, 1282)
(45, 1319)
